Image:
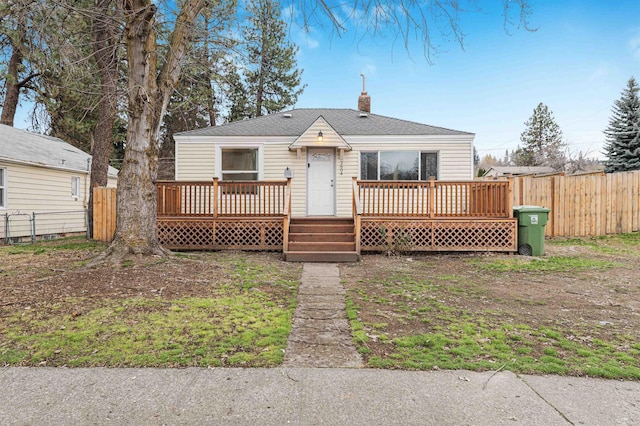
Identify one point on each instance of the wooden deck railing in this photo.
(287, 216)
(434, 199)
(222, 198)
(356, 212)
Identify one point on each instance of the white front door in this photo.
(321, 175)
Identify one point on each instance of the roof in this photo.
(345, 121)
(47, 151)
(522, 170)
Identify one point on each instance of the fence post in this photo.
(215, 197)
(432, 196)
(33, 228)
(86, 222)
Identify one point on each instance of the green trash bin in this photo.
(531, 223)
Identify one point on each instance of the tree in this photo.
(542, 141)
(18, 39)
(150, 86)
(105, 51)
(622, 145)
(273, 81)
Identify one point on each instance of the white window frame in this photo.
(260, 149)
(75, 187)
(419, 151)
(4, 187)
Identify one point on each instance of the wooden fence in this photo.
(104, 213)
(584, 205)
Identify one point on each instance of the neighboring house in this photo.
(46, 176)
(498, 171)
(322, 149)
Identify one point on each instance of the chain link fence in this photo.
(22, 227)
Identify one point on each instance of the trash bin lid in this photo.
(531, 209)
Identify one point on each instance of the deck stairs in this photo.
(321, 239)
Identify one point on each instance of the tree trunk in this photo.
(148, 99)
(105, 47)
(12, 87)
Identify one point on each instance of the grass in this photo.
(545, 264)
(609, 244)
(477, 344)
(245, 329)
(63, 244)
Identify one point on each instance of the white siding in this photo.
(195, 161)
(277, 157)
(44, 191)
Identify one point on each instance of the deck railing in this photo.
(222, 198)
(435, 199)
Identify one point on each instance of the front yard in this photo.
(575, 311)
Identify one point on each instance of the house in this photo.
(44, 185)
(498, 171)
(322, 149)
(324, 184)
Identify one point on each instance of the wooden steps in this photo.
(321, 240)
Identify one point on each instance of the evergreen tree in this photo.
(622, 145)
(272, 78)
(542, 141)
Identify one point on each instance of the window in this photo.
(239, 164)
(75, 187)
(369, 165)
(428, 165)
(398, 165)
(3, 188)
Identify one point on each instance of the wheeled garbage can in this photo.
(531, 223)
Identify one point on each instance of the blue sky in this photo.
(577, 62)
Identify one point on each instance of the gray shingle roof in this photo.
(21, 145)
(347, 122)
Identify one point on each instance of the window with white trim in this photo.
(3, 188)
(75, 187)
(398, 165)
(239, 164)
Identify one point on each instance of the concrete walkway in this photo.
(321, 335)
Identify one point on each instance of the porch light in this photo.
(320, 137)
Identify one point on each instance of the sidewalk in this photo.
(309, 396)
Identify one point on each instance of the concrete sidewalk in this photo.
(309, 396)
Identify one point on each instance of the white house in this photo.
(46, 176)
(322, 149)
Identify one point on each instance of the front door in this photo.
(321, 175)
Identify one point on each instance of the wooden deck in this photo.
(387, 216)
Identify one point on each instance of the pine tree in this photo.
(273, 79)
(542, 141)
(622, 145)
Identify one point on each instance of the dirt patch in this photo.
(33, 278)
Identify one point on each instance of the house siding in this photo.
(195, 161)
(46, 192)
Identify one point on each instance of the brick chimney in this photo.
(364, 100)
